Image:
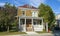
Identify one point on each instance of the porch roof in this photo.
(29, 17)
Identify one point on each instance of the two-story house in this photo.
(58, 20)
(28, 19)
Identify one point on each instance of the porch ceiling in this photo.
(29, 17)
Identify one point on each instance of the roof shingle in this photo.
(28, 6)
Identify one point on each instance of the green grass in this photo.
(42, 31)
(11, 33)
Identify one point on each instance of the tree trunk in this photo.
(8, 29)
(46, 27)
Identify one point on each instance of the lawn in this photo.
(39, 32)
(11, 33)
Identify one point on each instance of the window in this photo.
(34, 14)
(35, 22)
(22, 22)
(40, 22)
(23, 13)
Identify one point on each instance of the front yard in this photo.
(11, 33)
(44, 31)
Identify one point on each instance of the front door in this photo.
(29, 25)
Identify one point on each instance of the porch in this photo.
(28, 24)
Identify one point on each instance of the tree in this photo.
(7, 16)
(2, 25)
(11, 13)
(46, 12)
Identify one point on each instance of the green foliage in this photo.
(13, 26)
(7, 17)
(46, 12)
(11, 33)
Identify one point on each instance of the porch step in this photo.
(31, 33)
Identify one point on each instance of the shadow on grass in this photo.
(39, 32)
(11, 33)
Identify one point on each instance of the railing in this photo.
(38, 27)
(23, 28)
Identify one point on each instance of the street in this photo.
(56, 33)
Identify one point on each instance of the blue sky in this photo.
(54, 4)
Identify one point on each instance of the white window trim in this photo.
(34, 13)
(25, 12)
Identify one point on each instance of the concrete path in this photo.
(31, 33)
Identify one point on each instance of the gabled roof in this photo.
(28, 6)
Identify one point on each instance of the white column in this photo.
(19, 23)
(42, 21)
(43, 24)
(25, 24)
(32, 25)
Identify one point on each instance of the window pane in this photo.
(23, 12)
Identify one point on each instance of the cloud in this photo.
(20, 2)
(16, 2)
(36, 3)
(2, 4)
(58, 0)
(57, 11)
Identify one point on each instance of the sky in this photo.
(54, 4)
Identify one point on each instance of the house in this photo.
(28, 19)
(58, 20)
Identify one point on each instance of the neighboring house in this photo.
(28, 19)
(58, 20)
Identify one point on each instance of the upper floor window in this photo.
(23, 13)
(34, 14)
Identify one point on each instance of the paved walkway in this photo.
(31, 33)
